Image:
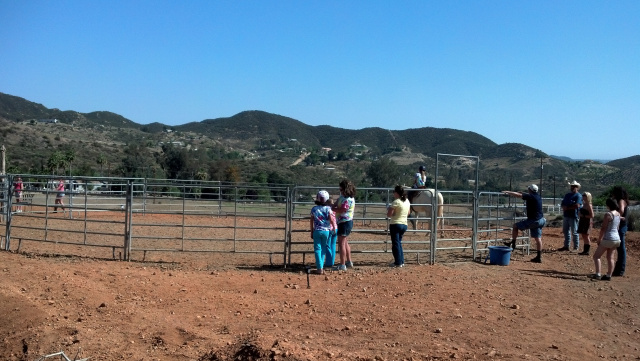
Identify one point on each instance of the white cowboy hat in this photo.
(574, 183)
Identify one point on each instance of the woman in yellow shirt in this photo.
(398, 211)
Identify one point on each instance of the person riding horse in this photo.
(419, 182)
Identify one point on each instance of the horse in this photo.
(424, 203)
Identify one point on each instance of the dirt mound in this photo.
(249, 348)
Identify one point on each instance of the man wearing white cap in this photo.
(571, 204)
(535, 219)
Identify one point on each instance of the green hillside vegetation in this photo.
(261, 147)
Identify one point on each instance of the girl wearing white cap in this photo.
(322, 222)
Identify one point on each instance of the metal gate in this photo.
(199, 216)
(132, 217)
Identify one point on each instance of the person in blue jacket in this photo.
(571, 204)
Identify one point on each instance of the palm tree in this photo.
(102, 160)
(55, 161)
(69, 156)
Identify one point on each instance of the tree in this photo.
(102, 160)
(136, 162)
(69, 157)
(55, 161)
(383, 173)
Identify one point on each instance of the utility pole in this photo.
(554, 190)
(4, 163)
(541, 167)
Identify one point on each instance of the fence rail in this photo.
(136, 217)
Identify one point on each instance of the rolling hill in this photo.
(269, 141)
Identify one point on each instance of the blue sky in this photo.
(559, 76)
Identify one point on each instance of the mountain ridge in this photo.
(256, 135)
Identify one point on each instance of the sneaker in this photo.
(536, 260)
(393, 264)
(317, 271)
(340, 267)
(565, 248)
(584, 253)
(402, 265)
(595, 276)
(617, 274)
(349, 264)
(605, 278)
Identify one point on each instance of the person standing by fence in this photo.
(322, 222)
(398, 211)
(622, 197)
(571, 203)
(586, 222)
(344, 210)
(59, 196)
(18, 188)
(534, 222)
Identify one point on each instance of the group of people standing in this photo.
(577, 222)
(331, 224)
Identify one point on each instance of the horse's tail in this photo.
(440, 205)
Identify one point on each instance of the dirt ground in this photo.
(234, 307)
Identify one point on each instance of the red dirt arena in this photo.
(220, 306)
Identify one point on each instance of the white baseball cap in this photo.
(533, 188)
(322, 196)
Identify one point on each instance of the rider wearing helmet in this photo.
(419, 182)
(420, 179)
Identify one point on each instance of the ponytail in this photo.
(400, 190)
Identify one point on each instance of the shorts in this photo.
(607, 243)
(535, 226)
(344, 228)
(60, 196)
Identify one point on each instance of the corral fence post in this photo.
(6, 195)
(128, 208)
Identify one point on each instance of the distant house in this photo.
(48, 120)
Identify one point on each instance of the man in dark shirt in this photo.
(535, 219)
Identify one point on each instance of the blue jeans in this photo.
(330, 258)
(397, 231)
(570, 227)
(621, 262)
(320, 247)
(535, 226)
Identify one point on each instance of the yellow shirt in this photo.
(401, 211)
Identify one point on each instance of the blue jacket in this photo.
(571, 199)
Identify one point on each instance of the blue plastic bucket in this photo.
(499, 255)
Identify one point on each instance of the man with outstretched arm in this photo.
(535, 219)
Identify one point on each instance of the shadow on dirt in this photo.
(558, 274)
